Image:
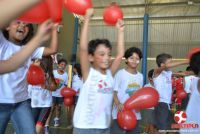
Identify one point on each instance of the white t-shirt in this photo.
(187, 83)
(193, 108)
(13, 85)
(40, 97)
(149, 85)
(77, 84)
(93, 109)
(126, 84)
(63, 81)
(163, 85)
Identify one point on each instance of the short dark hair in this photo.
(28, 36)
(162, 58)
(195, 63)
(93, 44)
(150, 73)
(62, 60)
(129, 52)
(188, 68)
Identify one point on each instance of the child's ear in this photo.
(7, 28)
(91, 59)
(126, 61)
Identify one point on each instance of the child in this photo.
(41, 98)
(163, 84)
(93, 110)
(77, 81)
(193, 108)
(187, 82)
(10, 10)
(127, 81)
(62, 76)
(13, 86)
(149, 115)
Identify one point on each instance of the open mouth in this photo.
(20, 31)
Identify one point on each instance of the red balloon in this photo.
(193, 51)
(181, 94)
(57, 81)
(126, 120)
(77, 6)
(112, 13)
(55, 9)
(69, 101)
(37, 14)
(67, 92)
(145, 97)
(35, 75)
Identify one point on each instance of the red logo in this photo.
(180, 117)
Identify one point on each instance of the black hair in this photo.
(93, 44)
(162, 58)
(28, 36)
(150, 73)
(195, 63)
(47, 65)
(77, 66)
(188, 68)
(62, 60)
(129, 52)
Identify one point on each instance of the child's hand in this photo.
(44, 31)
(120, 107)
(89, 13)
(120, 25)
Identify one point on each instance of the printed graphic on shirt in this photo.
(59, 83)
(132, 87)
(104, 87)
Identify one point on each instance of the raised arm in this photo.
(10, 9)
(20, 57)
(157, 71)
(120, 47)
(52, 49)
(84, 57)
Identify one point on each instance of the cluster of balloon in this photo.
(77, 6)
(112, 14)
(35, 75)
(43, 11)
(146, 97)
(143, 98)
(67, 92)
(180, 92)
(126, 120)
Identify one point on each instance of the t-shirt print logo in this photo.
(180, 117)
(132, 87)
(104, 88)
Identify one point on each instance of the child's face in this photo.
(167, 62)
(102, 57)
(17, 31)
(133, 61)
(62, 66)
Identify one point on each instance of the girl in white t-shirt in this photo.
(41, 98)
(193, 107)
(13, 85)
(127, 81)
(93, 110)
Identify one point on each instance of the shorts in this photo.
(41, 115)
(116, 129)
(91, 131)
(58, 100)
(162, 116)
(149, 116)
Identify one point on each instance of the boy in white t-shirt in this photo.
(93, 110)
(126, 82)
(61, 77)
(163, 84)
(193, 108)
(13, 85)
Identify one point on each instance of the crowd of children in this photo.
(101, 88)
